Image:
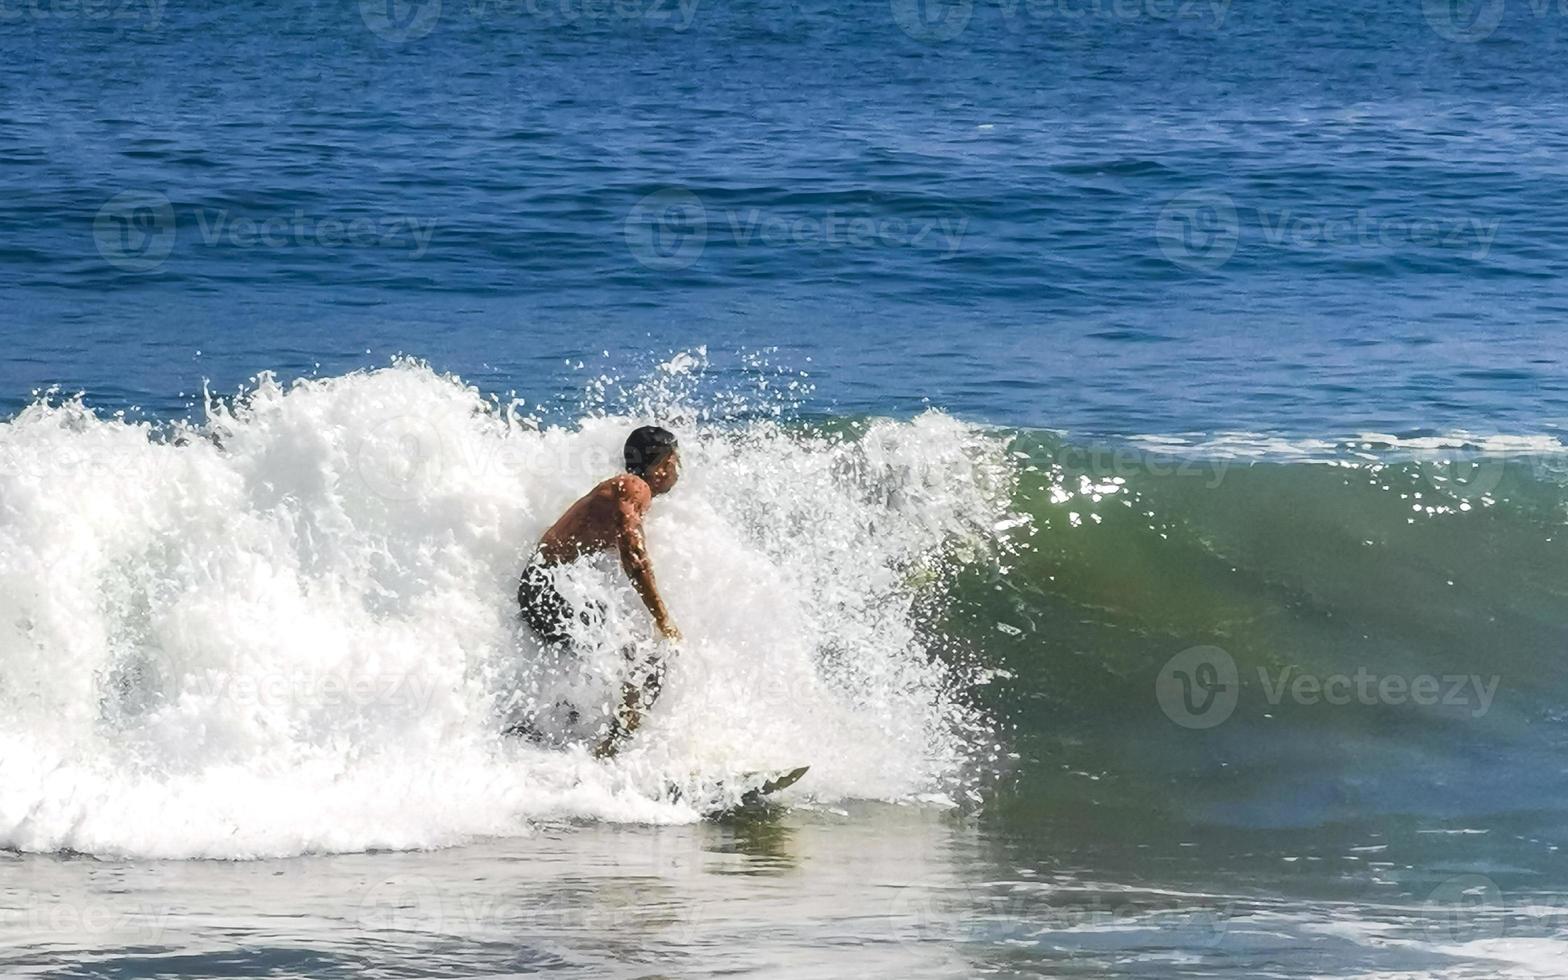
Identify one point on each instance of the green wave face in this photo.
(1363, 640)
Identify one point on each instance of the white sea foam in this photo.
(293, 628)
(1364, 445)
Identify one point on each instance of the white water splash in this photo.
(288, 630)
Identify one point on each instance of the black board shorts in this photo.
(548, 612)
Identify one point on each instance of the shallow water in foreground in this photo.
(868, 891)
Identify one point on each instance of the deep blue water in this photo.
(1111, 217)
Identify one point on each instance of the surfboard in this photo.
(758, 785)
(773, 782)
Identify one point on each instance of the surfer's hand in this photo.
(670, 632)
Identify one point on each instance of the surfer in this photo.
(609, 516)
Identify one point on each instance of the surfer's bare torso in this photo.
(610, 517)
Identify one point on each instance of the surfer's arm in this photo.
(638, 567)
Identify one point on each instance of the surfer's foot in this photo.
(612, 742)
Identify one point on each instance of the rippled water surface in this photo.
(871, 891)
(1129, 217)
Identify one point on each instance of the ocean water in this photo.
(1124, 457)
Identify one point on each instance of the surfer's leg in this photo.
(636, 698)
(626, 719)
(548, 614)
(652, 682)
